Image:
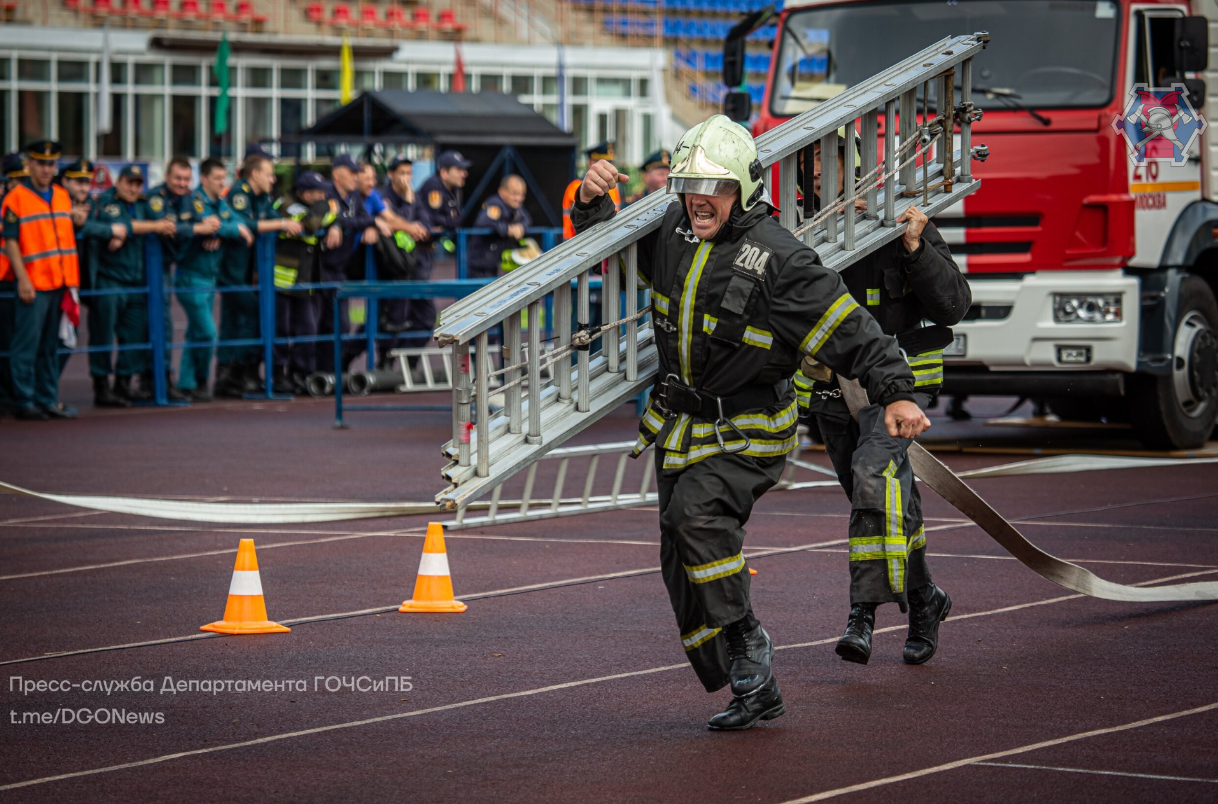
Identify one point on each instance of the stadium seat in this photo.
(447, 21)
(219, 11)
(189, 10)
(340, 16)
(102, 7)
(422, 17)
(245, 13)
(369, 18)
(315, 13)
(160, 9)
(395, 17)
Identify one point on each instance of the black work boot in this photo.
(744, 711)
(172, 392)
(123, 388)
(855, 644)
(252, 378)
(104, 397)
(928, 606)
(230, 384)
(751, 653)
(283, 383)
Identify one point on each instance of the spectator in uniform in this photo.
(298, 262)
(655, 174)
(117, 262)
(600, 151)
(195, 278)
(172, 201)
(440, 201)
(41, 263)
(342, 240)
(14, 170)
(77, 179)
(409, 235)
(250, 200)
(504, 214)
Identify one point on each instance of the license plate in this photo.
(959, 347)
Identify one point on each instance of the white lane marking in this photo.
(1071, 560)
(245, 582)
(1097, 772)
(615, 677)
(1023, 749)
(31, 519)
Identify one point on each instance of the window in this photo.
(118, 72)
(291, 121)
(323, 106)
(150, 75)
(150, 127)
(613, 87)
(325, 78)
(550, 112)
(4, 68)
(5, 147)
(392, 79)
(73, 121)
(33, 70)
(218, 146)
(649, 143)
(549, 85)
(522, 85)
(644, 88)
(73, 72)
(365, 80)
(186, 128)
(579, 85)
(33, 116)
(292, 78)
(258, 77)
(257, 123)
(427, 81)
(115, 143)
(579, 124)
(491, 83)
(185, 75)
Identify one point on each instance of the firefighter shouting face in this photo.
(708, 213)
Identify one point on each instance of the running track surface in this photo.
(576, 691)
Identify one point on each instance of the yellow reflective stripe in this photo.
(652, 420)
(873, 297)
(755, 421)
(928, 368)
(802, 382)
(919, 539)
(758, 448)
(894, 529)
(695, 638)
(758, 337)
(285, 277)
(685, 324)
(828, 323)
(704, 573)
(866, 548)
(709, 322)
(677, 437)
(929, 377)
(660, 302)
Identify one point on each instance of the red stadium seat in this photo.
(189, 10)
(395, 17)
(315, 13)
(341, 16)
(219, 10)
(448, 21)
(369, 17)
(245, 13)
(103, 7)
(422, 17)
(71, 5)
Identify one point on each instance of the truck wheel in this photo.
(1176, 411)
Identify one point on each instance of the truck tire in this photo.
(1176, 411)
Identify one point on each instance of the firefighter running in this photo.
(737, 301)
(901, 284)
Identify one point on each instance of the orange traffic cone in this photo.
(246, 610)
(433, 590)
(752, 571)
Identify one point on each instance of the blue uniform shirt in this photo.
(194, 257)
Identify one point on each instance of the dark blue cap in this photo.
(256, 149)
(344, 161)
(14, 166)
(310, 180)
(451, 159)
(399, 160)
(44, 150)
(132, 172)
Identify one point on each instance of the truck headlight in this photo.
(1086, 308)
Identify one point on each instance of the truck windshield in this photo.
(1047, 53)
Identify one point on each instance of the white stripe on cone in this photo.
(433, 564)
(245, 582)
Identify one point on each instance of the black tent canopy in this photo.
(498, 133)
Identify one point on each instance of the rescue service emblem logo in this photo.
(10, 216)
(240, 201)
(493, 212)
(753, 258)
(199, 205)
(433, 199)
(1160, 125)
(112, 210)
(156, 203)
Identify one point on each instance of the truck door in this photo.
(1160, 189)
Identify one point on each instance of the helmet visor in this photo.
(722, 187)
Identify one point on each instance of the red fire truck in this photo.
(1093, 277)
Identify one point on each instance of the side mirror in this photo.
(733, 62)
(1192, 38)
(738, 106)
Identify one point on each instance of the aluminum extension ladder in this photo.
(488, 447)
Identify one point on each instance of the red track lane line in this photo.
(1023, 749)
(1156, 776)
(631, 674)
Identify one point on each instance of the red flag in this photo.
(457, 84)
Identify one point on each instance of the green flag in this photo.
(220, 124)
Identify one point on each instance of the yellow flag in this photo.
(346, 77)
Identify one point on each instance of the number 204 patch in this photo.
(753, 258)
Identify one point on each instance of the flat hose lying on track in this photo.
(956, 492)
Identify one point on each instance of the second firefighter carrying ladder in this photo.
(920, 166)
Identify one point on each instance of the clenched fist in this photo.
(601, 177)
(904, 419)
